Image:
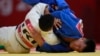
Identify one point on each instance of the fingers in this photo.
(57, 23)
(54, 7)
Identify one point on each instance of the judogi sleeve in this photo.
(33, 2)
(36, 11)
(62, 4)
(49, 2)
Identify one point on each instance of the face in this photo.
(78, 45)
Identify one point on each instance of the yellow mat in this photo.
(97, 53)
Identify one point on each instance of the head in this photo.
(83, 45)
(46, 22)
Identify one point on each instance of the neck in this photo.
(68, 39)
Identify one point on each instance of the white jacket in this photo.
(33, 17)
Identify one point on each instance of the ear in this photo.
(46, 11)
(83, 39)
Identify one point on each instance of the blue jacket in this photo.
(68, 19)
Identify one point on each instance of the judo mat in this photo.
(34, 53)
(54, 54)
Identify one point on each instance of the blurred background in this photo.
(12, 12)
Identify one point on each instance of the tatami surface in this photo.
(54, 54)
(34, 53)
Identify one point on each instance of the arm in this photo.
(33, 15)
(36, 11)
(61, 4)
(33, 2)
(69, 39)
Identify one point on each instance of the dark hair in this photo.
(46, 22)
(90, 46)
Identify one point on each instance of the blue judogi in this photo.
(33, 2)
(69, 22)
(68, 19)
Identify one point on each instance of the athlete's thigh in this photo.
(13, 45)
(3, 35)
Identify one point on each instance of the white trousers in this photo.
(8, 40)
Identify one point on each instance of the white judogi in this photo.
(34, 16)
(30, 24)
(17, 40)
(9, 34)
(8, 40)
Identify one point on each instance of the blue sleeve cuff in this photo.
(62, 4)
(44, 48)
(61, 47)
(31, 2)
(50, 2)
